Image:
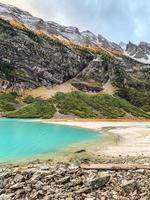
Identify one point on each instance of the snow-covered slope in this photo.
(123, 46)
(70, 33)
(139, 52)
(145, 59)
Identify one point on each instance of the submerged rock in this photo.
(81, 151)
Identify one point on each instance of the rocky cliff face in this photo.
(33, 61)
(30, 57)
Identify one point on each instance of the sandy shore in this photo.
(134, 137)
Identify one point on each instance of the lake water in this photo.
(25, 139)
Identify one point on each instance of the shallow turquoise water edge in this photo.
(23, 139)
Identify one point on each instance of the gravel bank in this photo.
(67, 181)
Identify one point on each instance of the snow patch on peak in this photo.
(3, 9)
(123, 46)
(70, 33)
(88, 34)
(72, 29)
(142, 60)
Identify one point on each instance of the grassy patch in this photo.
(7, 101)
(73, 103)
(138, 97)
(93, 106)
(79, 104)
(8, 97)
(38, 109)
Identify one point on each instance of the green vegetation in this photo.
(102, 105)
(38, 109)
(9, 97)
(33, 36)
(7, 102)
(5, 107)
(29, 99)
(133, 90)
(119, 78)
(6, 70)
(6, 28)
(138, 97)
(74, 103)
(77, 103)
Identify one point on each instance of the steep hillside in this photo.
(29, 60)
(134, 87)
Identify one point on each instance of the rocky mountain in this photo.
(70, 33)
(28, 60)
(26, 52)
(140, 52)
(36, 53)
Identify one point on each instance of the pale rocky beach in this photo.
(130, 138)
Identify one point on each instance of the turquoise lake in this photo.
(25, 139)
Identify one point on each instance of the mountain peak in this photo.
(139, 52)
(123, 45)
(70, 33)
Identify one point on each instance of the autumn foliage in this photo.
(55, 38)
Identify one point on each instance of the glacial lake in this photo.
(25, 139)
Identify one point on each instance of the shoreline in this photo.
(128, 138)
(120, 138)
(98, 120)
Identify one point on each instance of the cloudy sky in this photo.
(117, 20)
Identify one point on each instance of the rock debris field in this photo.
(47, 180)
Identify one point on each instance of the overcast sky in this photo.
(117, 20)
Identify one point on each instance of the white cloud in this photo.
(22, 4)
(18, 3)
